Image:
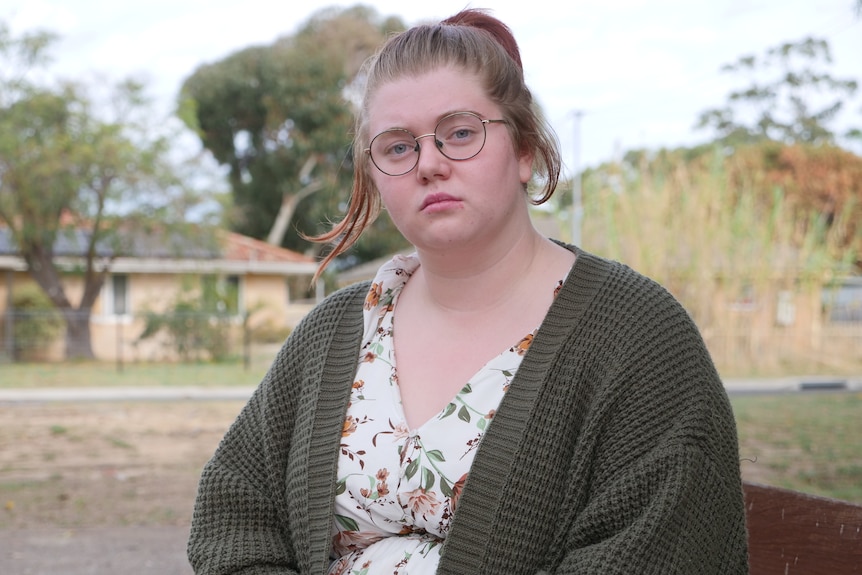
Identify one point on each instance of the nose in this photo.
(429, 165)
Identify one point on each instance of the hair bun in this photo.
(481, 20)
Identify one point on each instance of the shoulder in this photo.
(333, 309)
(621, 306)
(598, 281)
(332, 327)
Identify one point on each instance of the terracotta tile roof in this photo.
(244, 248)
(233, 247)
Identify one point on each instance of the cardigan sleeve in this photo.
(239, 526)
(665, 492)
(676, 513)
(614, 450)
(258, 505)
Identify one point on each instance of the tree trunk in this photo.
(290, 201)
(285, 212)
(78, 344)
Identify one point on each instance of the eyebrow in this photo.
(437, 121)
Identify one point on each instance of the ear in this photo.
(525, 167)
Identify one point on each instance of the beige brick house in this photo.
(268, 283)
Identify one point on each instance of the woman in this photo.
(549, 411)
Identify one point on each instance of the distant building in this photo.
(267, 282)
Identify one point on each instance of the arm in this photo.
(265, 498)
(676, 511)
(665, 494)
(239, 518)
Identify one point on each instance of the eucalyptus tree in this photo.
(787, 95)
(279, 117)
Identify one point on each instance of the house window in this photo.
(116, 295)
(221, 294)
(843, 301)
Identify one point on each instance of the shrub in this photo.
(36, 323)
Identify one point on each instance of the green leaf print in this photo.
(428, 479)
(464, 414)
(450, 409)
(445, 487)
(412, 467)
(372, 488)
(482, 423)
(467, 388)
(436, 455)
(341, 486)
(347, 523)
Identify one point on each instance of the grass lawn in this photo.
(809, 442)
(94, 374)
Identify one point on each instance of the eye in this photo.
(393, 145)
(462, 133)
(460, 130)
(398, 149)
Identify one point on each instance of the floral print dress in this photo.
(397, 488)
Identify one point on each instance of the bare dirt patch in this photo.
(98, 464)
(101, 464)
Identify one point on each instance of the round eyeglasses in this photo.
(458, 136)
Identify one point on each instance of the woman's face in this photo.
(442, 203)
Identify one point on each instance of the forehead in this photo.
(417, 102)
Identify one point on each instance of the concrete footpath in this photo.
(103, 551)
(733, 386)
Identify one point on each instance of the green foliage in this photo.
(36, 324)
(80, 176)
(198, 322)
(728, 238)
(279, 117)
(790, 97)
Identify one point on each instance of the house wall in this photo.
(771, 330)
(265, 297)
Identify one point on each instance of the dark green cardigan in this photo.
(613, 451)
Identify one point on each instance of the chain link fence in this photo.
(49, 336)
(835, 344)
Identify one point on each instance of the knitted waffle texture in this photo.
(613, 451)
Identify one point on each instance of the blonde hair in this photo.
(472, 41)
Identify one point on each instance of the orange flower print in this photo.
(523, 345)
(422, 502)
(373, 297)
(349, 426)
(347, 541)
(456, 492)
(358, 384)
(369, 357)
(382, 487)
(401, 430)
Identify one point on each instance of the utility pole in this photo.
(577, 205)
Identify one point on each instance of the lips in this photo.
(438, 201)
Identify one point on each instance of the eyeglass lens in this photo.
(458, 136)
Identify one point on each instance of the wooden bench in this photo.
(792, 533)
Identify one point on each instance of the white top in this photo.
(397, 488)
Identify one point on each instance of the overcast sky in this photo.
(640, 70)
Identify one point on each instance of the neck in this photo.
(475, 281)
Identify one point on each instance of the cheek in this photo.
(390, 197)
